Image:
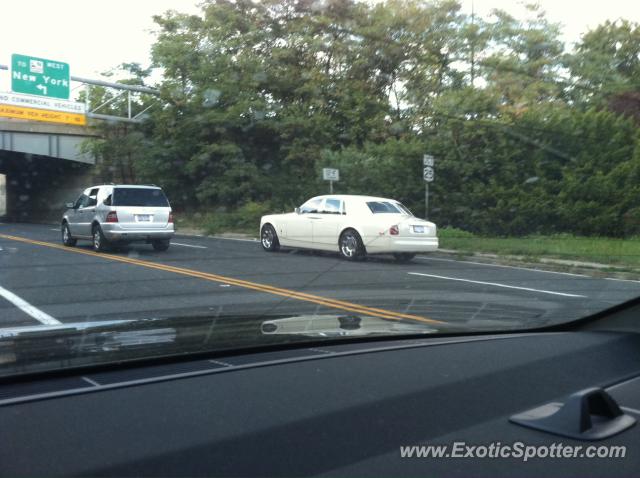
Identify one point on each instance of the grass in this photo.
(625, 252)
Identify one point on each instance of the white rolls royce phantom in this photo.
(355, 226)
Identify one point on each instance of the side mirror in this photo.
(69, 205)
(297, 210)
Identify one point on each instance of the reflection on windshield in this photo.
(516, 145)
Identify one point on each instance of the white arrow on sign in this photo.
(42, 88)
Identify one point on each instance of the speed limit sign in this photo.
(428, 174)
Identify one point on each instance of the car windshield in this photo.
(139, 197)
(187, 176)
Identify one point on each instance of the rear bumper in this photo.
(115, 233)
(389, 244)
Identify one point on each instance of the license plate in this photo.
(418, 229)
(143, 218)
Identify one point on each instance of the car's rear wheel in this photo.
(67, 240)
(100, 243)
(269, 238)
(161, 245)
(404, 256)
(350, 245)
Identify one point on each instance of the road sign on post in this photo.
(330, 175)
(39, 76)
(38, 108)
(428, 174)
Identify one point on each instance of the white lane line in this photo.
(27, 308)
(234, 239)
(55, 229)
(216, 237)
(623, 280)
(188, 245)
(497, 285)
(500, 265)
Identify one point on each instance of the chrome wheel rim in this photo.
(267, 238)
(65, 234)
(349, 245)
(96, 240)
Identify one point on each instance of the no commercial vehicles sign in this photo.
(39, 76)
(33, 108)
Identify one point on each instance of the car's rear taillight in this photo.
(394, 231)
(171, 218)
(112, 217)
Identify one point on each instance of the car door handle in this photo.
(315, 218)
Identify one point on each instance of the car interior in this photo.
(342, 408)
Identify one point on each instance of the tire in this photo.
(67, 240)
(269, 238)
(100, 243)
(350, 246)
(161, 245)
(404, 256)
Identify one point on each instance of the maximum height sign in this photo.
(39, 76)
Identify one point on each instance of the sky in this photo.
(94, 36)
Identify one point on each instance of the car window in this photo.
(311, 206)
(395, 129)
(146, 197)
(383, 207)
(82, 201)
(332, 206)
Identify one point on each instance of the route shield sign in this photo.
(39, 76)
(428, 160)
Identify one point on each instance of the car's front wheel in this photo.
(269, 238)
(67, 240)
(350, 245)
(161, 245)
(404, 256)
(100, 243)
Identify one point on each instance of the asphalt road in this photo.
(42, 282)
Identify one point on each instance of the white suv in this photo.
(119, 214)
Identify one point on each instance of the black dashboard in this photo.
(330, 410)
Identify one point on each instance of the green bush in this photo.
(245, 219)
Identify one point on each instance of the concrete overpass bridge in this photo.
(43, 165)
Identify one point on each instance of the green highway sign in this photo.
(39, 76)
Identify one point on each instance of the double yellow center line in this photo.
(290, 294)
